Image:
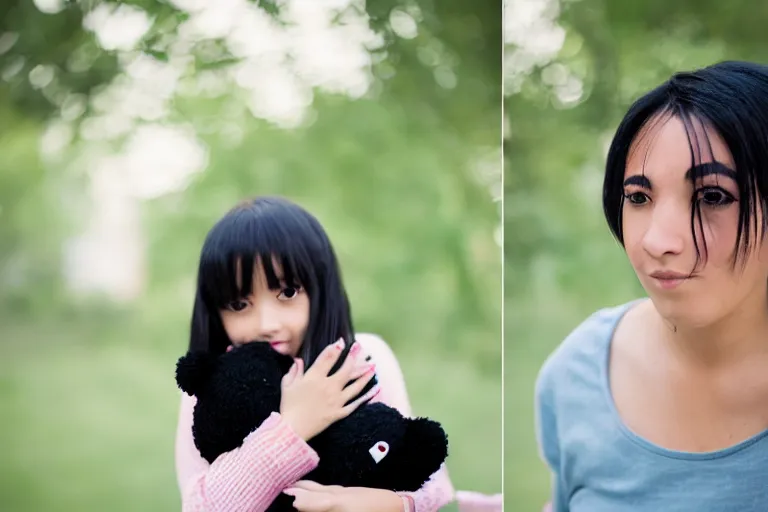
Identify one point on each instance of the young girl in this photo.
(662, 403)
(268, 274)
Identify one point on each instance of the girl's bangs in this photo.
(233, 250)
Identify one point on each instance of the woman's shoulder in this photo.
(595, 330)
(584, 347)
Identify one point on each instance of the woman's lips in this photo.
(669, 280)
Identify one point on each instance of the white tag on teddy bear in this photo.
(379, 451)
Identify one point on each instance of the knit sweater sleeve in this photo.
(248, 478)
(438, 491)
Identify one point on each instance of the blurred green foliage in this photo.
(561, 263)
(86, 385)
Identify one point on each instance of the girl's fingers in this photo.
(310, 501)
(293, 372)
(357, 386)
(299, 371)
(349, 409)
(343, 375)
(361, 369)
(288, 377)
(327, 358)
(309, 485)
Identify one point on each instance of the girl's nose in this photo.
(267, 322)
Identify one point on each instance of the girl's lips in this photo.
(279, 346)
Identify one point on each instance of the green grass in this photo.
(89, 415)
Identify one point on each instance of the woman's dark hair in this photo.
(730, 98)
(267, 228)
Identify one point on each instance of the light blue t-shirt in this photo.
(599, 465)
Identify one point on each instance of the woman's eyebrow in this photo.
(639, 180)
(708, 169)
(692, 174)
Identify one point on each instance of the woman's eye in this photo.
(715, 197)
(289, 292)
(636, 197)
(237, 305)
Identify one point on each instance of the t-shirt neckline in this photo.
(631, 435)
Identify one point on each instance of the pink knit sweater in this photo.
(273, 457)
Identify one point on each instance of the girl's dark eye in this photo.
(715, 197)
(289, 292)
(636, 198)
(237, 305)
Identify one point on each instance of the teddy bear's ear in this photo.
(426, 443)
(193, 371)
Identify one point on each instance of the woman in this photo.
(661, 404)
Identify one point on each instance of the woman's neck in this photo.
(740, 335)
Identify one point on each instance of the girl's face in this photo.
(278, 317)
(658, 188)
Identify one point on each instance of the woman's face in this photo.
(278, 317)
(658, 188)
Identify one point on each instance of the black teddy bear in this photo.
(375, 446)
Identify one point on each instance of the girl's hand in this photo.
(313, 497)
(312, 401)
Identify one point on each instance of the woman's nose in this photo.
(667, 231)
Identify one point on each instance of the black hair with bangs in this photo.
(730, 98)
(265, 228)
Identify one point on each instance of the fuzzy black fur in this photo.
(238, 390)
